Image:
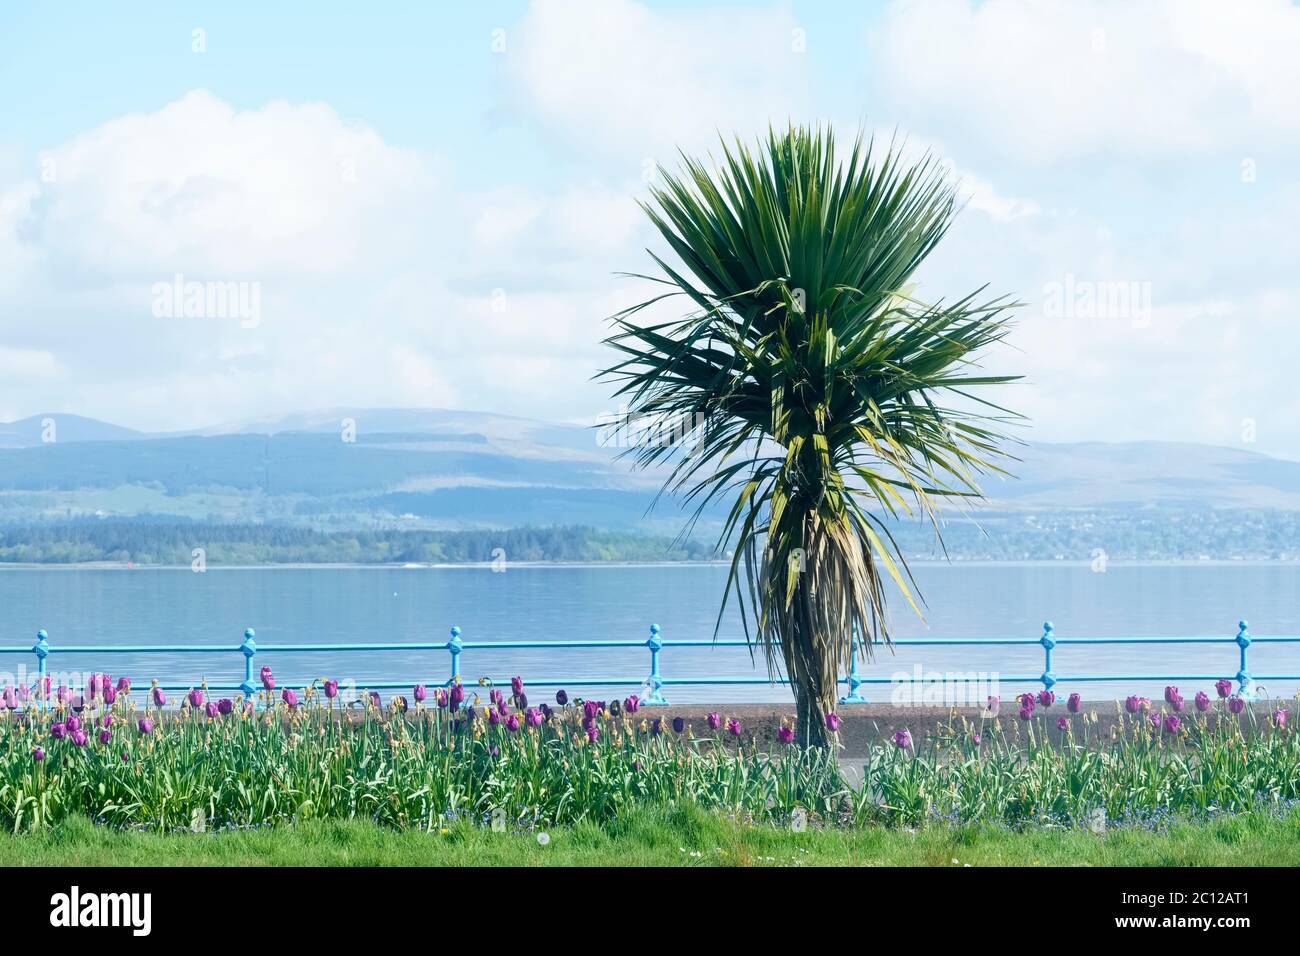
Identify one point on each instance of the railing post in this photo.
(1048, 642)
(42, 650)
(249, 649)
(654, 681)
(454, 645)
(1243, 673)
(853, 696)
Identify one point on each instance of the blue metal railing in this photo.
(655, 682)
(1049, 642)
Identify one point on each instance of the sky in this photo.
(428, 205)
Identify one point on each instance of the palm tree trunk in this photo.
(814, 697)
(811, 709)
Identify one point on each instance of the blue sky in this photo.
(433, 199)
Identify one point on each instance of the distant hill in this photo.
(439, 469)
(33, 432)
(1145, 475)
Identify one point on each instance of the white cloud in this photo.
(198, 186)
(375, 273)
(636, 83)
(1059, 79)
(27, 366)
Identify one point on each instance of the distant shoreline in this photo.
(543, 565)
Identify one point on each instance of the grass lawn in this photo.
(681, 837)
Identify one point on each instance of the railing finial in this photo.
(1048, 640)
(654, 683)
(1244, 680)
(249, 649)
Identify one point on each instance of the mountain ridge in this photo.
(453, 467)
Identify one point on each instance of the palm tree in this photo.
(813, 379)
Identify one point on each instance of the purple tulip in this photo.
(74, 724)
(561, 697)
(632, 704)
(590, 709)
(1224, 687)
(1172, 723)
(289, 696)
(1202, 701)
(210, 708)
(159, 698)
(110, 696)
(976, 739)
(833, 723)
(79, 738)
(657, 726)
(225, 706)
(1074, 704)
(442, 697)
(1177, 702)
(196, 698)
(521, 700)
(733, 727)
(1026, 713)
(58, 731)
(332, 689)
(38, 754)
(105, 736)
(107, 720)
(785, 734)
(375, 700)
(419, 693)
(533, 717)
(903, 739)
(679, 724)
(1170, 693)
(546, 711)
(457, 695)
(512, 723)
(1046, 698)
(494, 716)
(124, 685)
(145, 726)
(10, 698)
(1026, 702)
(268, 679)
(593, 733)
(1133, 703)
(1279, 717)
(517, 685)
(1236, 704)
(714, 720)
(1062, 723)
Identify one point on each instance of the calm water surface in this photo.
(339, 605)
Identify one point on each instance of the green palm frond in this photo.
(829, 397)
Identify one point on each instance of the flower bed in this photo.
(482, 755)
